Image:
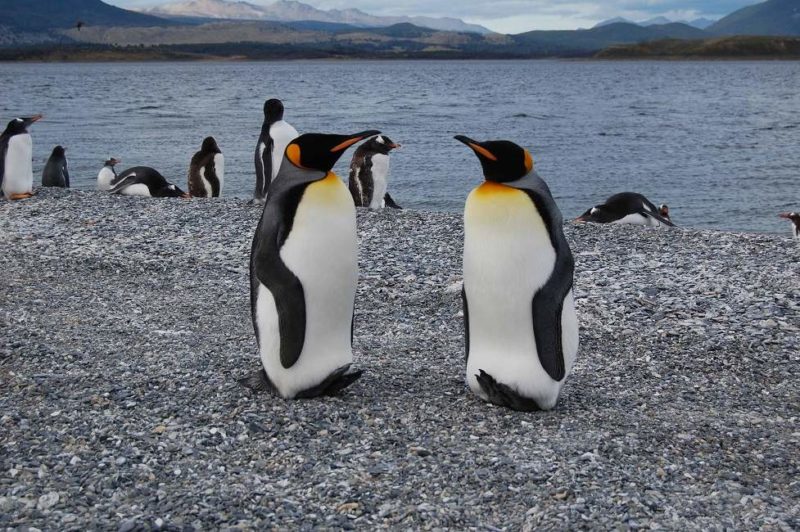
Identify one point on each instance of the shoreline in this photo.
(125, 322)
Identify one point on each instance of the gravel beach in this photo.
(124, 323)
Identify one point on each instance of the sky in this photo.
(516, 16)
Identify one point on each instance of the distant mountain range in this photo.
(219, 29)
(699, 23)
(293, 11)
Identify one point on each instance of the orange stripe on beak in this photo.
(346, 144)
(483, 151)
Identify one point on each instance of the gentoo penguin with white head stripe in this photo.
(16, 159)
(207, 171)
(56, 173)
(303, 274)
(108, 174)
(663, 210)
(626, 208)
(276, 134)
(369, 173)
(793, 217)
(146, 182)
(519, 313)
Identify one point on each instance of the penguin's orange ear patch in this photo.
(528, 161)
(483, 151)
(293, 154)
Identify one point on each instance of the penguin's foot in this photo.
(333, 383)
(24, 195)
(257, 201)
(502, 395)
(258, 382)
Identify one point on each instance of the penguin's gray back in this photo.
(56, 173)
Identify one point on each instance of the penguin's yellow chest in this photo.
(328, 192)
(503, 207)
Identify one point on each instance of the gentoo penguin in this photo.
(56, 173)
(147, 182)
(275, 136)
(626, 208)
(519, 313)
(369, 173)
(793, 217)
(16, 159)
(107, 174)
(303, 274)
(207, 171)
(663, 210)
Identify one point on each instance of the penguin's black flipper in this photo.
(656, 216)
(3, 149)
(258, 382)
(503, 395)
(390, 202)
(65, 173)
(333, 383)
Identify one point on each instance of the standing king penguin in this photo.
(16, 159)
(56, 173)
(303, 274)
(207, 171)
(275, 136)
(369, 174)
(520, 321)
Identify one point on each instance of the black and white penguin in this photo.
(108, 174)
(626, 208)
(207, 171)
(16, 159)
(276, 134)
(146, 182)
(303, 274)
(369, 173)
(663, 210)
(793, 217)
(56, 173)
(519, 312)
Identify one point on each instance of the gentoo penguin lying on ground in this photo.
(147, 182)
(108, 174)
(275, 136)
(369, 174)
(626, 208)
(56, 173)
(663, 210)
(519, 313)
(16, 159)
(793, 217)
(207, 171)
(303, 274)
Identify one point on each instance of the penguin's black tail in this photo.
(387, 199)
(333, 383)
(502, 395)
(258, 382)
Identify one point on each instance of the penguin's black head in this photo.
(379, 144)
(170, 191)
(318, 151)
(113, 162)
(59, 151)
(663, 210)
(597, 214)
(502, 160)
(20, 125)
(793, 217)
(210, 146)
(273, 110)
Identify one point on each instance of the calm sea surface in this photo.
(718, 141)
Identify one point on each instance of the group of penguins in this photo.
(521, 326)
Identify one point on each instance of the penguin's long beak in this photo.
(476, 147)
(785, 215)
(580, 219)
(395, 146)
(31, 119)
(353, 139)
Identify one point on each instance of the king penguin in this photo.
(56, 173)
(303, 274)
(520, 321)
(107, 174)
(16, 159)
(369, 174)
(276, 134)
(207, 171)
(627, 208)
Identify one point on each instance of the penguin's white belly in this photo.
(637, 219)
(508, 256)
(104, 179)
(322, 252)
(18, 175)
(380, 175)
(282, 134)
(219, 168)
(139, 189)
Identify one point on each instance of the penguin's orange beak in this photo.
(395, 146)
(36, 118)
(358, 137)
(785, 215)
(476, 147)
